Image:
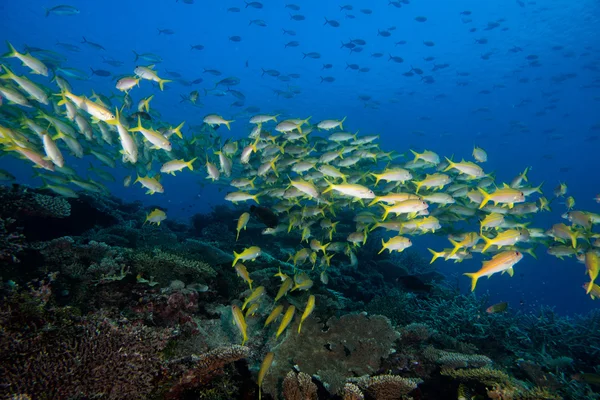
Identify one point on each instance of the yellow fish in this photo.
(592, 266)
(251, 253)
(501, 262)
(255, 295)
(156, 216)
(274, 314)
(287, 318)
(264, 368)
(242, 221)
(310, 306)
(240, 322)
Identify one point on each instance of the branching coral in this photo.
(386, 387)
(299, 386)
(352, 392)
(55, 354)
(352, 345)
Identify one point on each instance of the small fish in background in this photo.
(497, 308)
(92, 44)
(100, 72)
(590, 378)
(62, 10)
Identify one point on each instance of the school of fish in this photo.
(306, 171)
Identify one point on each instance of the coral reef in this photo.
(197, 371)
(352, 392)
(153, 304)
(164, 266)
(50, 353)
(352, 345)
(12, 241)
(385, 387)
(450, 360)
(299, 386)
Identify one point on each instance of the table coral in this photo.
(352, 345)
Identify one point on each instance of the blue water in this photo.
(541, 112)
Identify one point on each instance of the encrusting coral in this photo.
(386, 387)
(200, 370)
(452, 360)
(164, 267)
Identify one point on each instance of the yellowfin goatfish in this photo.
(264, 368)
(149, 74)
(254, 296)
(310, 306)
(251, 253)
(242, 272)
(176, 165)
(242, 221)
(240, 322)
(156, 217)
(502, 262)
(273, 315)
(287, 318)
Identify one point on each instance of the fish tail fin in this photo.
(589, 287)
(161, 83)
(12, 52)
(474, 277)
(177, 130)
(236, 256)
(417, 155)
(539, 188)
(329, 187)
(456, 245)
(255, 198)
(488, 242)
(451, 164)
(382, 247)
(252, 182)
(377, 178)
(386, 211)
(435, 254)
(342, 123)
(375, 201)
(486, 197)
(273, 166)
(189, 163)
(227, 124)
(418, 184)
(524, 175)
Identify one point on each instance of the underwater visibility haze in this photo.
(300, 200)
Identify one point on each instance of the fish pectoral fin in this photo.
(511, 271)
